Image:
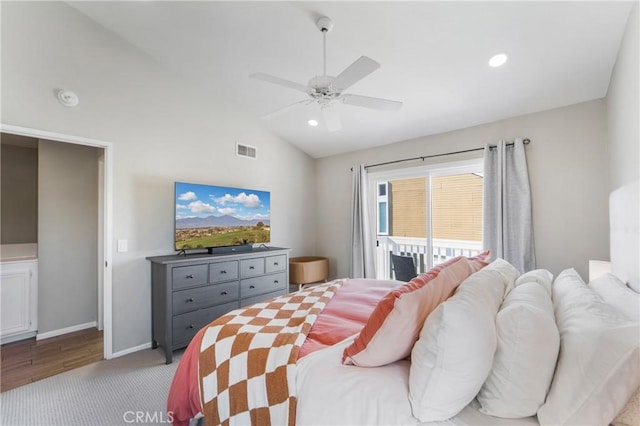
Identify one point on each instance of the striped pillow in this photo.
(395, 323)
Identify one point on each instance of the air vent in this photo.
(246, 150)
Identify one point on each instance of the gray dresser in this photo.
(188, 292)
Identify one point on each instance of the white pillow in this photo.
(617, 294)
(599, 363)
(540, 276)
(453, 356)
(523, 366)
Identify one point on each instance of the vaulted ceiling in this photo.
(433, 58)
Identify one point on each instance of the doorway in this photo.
(430, 213)
(104, 240)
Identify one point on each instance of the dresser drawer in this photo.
(185, 326)
(261, 298)
(260, 285)
(223, 271)
(189, 276)
(251, 267)
(202, 297)
(276, 263)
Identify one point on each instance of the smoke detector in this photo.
(68, 98)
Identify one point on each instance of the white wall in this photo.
(162, 130)
(568, 171)
(623, 113)
(67, 235)
(623, 123)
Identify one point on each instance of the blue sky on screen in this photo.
(194, 200)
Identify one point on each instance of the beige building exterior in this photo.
(457, 207)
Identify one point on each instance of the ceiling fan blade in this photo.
(331, 119)
(361, 68)
(280, 81)
(373, 103)
(284, 109)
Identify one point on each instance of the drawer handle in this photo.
(190, 327)
(252, 267)
(189, 277)
(275, 281)
(252, 286)
(223, 272)
(224, 293)
(189, 300)
(275, 263)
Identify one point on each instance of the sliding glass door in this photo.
(429, 213)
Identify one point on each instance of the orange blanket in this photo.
(344, 315)
(248, 359)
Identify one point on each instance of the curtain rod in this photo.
(524, 141)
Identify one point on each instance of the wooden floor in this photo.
(29, 360)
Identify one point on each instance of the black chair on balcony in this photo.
(403, 267)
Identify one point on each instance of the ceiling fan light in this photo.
(312, 123)
(498, 60)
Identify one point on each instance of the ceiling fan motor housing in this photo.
(322, 90)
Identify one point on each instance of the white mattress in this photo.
(330, 393)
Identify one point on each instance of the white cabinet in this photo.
(18, 300)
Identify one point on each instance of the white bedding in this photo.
(373, 395)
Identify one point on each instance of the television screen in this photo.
(218, 216)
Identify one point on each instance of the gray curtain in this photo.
(508, 227)
(362, 241)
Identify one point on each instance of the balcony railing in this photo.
(418, 248)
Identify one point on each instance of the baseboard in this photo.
(60, 331)
(131, 350)
(17, 337)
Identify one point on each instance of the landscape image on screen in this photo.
(216, 216)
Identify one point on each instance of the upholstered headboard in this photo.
(624, 219)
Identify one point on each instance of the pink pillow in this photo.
(395, 323)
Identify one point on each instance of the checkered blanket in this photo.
(248, 358)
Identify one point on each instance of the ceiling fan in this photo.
(326, 90)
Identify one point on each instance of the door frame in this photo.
(104, 251)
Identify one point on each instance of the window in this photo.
(430, 213)
(383, 208)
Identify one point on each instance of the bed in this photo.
(471, 342)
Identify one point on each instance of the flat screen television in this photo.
(218, 217)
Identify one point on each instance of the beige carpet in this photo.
(128, 390)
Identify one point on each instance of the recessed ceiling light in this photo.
(313, 123)
(498, 60)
